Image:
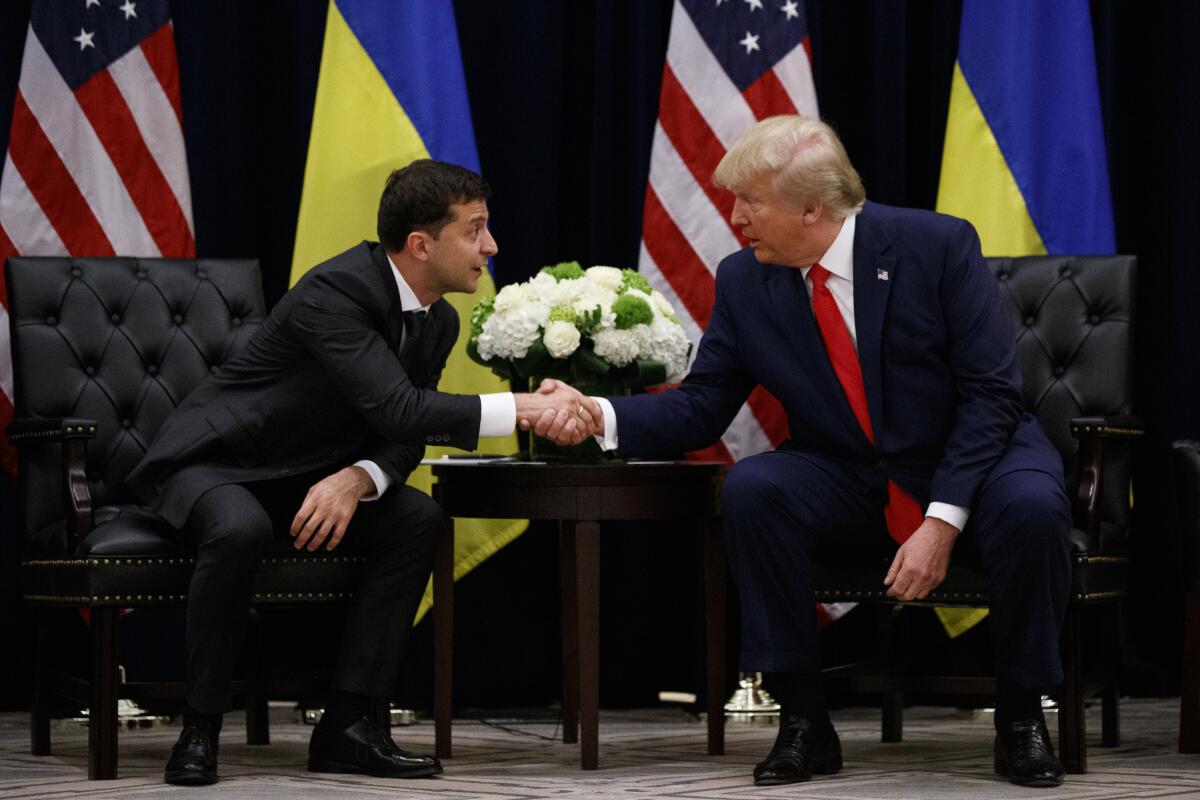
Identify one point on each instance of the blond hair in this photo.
(805, 159)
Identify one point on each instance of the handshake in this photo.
(560, 413)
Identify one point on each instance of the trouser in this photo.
(783, 509)
(232, 528)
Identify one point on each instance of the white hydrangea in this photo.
(670, 345)
(513, 297)
(660, 304)
(510, 334)
(616, 347)
(608, 277)
(561, 339)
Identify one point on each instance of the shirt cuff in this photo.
(497, 414)
(955, 515)
(607, 440)
(378, 477)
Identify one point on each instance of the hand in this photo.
(327, 508)
(558, 412)
(921, 562)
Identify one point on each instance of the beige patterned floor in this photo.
(644, 754)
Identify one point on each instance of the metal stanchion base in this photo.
(130, 716)
(400, 716)
(750, 702)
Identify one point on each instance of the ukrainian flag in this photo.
(391, 90)
(1024, 158)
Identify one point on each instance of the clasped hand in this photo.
(560, 413)
(921, 562)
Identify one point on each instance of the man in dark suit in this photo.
(880, 332)
(313, 428)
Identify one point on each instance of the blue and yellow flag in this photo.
(391, 90)
(1024, 159)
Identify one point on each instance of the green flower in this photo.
(631, 310)
(632, 279)
(479, 315)
(564, 314)
(565, 270)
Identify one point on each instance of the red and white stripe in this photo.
(97, 171)
(686, 229)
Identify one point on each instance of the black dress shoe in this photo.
(1024, 754)
(193, 760)
(365, 748)
(801, 750)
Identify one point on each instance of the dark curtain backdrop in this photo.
(564, 97)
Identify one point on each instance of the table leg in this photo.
(569, 631)
(587, 573)
(443, 642)
(714, 615)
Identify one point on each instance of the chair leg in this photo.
(1072, 740)
(443, 642)
(1110, 720)
(39, 713)
(715, 585)
(258, 725)
(1189, 700)
(102, 715)
(890, 660)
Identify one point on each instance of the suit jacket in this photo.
(319, 386)
(938, 359)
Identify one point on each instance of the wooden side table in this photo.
(580, 497)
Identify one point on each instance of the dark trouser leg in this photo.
(1020, 524)
(398, 535)
(232, 532)
(778, 510)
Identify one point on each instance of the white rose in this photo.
(608, 277)
(661, 304)
(561, 338)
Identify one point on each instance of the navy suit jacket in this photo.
(319, 386)
(938, 359)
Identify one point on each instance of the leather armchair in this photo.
(1187, 500)
(103, 350)
(1073, 318)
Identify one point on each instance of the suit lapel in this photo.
(873, 275)
(395, 315)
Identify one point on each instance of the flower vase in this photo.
(586, 452)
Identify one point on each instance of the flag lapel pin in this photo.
(881, 274)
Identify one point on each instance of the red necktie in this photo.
(902, 513)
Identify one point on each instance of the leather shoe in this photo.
(365, 748)
(1024, 754)
(193, 760)
(801, 749)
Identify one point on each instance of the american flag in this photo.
(729, 64)
(96, 163)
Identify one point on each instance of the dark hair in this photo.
(418, 198)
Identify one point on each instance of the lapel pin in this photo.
(881, 274)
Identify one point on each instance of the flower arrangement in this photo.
(602, 329)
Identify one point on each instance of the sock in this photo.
(1016, 702)
(798, 693)
(193, 717)
(345, 708)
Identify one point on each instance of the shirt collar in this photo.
(408, 299)
(839, 258)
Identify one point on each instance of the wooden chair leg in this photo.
(258, 724)
(1072, 739)
(39, 713)
(1110, 698)
(443, 642)
(890, 658)
(102, 714)
(1110, 719)
(715, 585)
(569, 625)
(1189, 700)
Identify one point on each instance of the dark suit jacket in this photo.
(318, 386)
(937, 354)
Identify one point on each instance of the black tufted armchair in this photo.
(1073, 318)
(103, 350)
(1187, 502)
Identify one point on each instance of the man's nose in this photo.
(490, 248)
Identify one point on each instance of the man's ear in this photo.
(417, 244)
(813, 212)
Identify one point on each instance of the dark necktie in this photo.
(414, 322)
(902, 513)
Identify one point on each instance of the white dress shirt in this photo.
(497, 412)
(839, 260)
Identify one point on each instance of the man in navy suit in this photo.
(880, 332)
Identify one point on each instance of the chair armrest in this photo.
(1093, 433)
(72, 433)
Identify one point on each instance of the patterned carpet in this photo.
(644, 754)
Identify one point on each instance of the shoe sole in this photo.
(1037, 783)
(827, 768)
(189, 779)
(338, 767)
